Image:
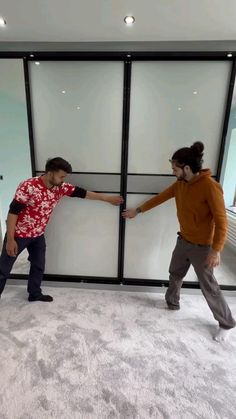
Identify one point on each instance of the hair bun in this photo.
(198, 147)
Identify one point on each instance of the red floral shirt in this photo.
(40, 202)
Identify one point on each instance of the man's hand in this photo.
(11, 248)
(129, 213)
(115, 200)
(213, 259)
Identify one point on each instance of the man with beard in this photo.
(203, 226)
(28, 216)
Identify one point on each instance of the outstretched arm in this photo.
(111, 199)
(151, 203)
(96, 196)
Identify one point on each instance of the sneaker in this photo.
(45, 298)
(172, 306)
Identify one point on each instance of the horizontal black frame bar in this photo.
(151, 174)
(116, 281)
(87, 173)
(71, 278)
(119, 174)
(165, 283)
(119, 55)
(142, 193)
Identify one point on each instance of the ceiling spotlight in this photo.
(2, 22)
(179, 109)
(63, 91)
(229, 55)
(128, 56)
(37, 62)
(129, 20)
(195, 92)
(32, 55)
(78, 107)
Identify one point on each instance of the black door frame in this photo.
(127, 58)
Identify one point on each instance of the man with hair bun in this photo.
(203, 227)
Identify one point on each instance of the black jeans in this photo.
(36, 248)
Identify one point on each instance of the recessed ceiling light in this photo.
(128, 56)
(2, 21)
(37, 62)
(31, 55)
(78, 107)
(129, 20)
(63, 91)
(229, 55)
(195, 92)
(179, 109)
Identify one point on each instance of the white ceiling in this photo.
(102, 20)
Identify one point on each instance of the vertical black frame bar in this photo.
(29, 115)
(226, 120)
(124, 164)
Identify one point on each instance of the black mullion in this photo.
(29, 115)
(226, 120)
(124, 164)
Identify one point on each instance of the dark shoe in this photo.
(45, 298)
(172, 306)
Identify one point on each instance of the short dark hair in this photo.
(56, 164)
(189, 156)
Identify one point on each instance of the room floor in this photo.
(99, 354)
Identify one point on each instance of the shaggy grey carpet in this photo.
(95, 354)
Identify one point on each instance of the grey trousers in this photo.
(184, 255)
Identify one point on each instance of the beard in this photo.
(54, 182)
(182, 177)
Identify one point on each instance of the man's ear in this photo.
(187, 169)
(50, 174)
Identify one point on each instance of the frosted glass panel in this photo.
(77, 113)
(174, 104)
(95, 182)
(82, 238)
(149, 241)
(150, 184)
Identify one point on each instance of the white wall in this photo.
(15, 163)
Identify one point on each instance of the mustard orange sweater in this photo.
(200, 209)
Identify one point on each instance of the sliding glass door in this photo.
(77, 114)
(173, 104)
